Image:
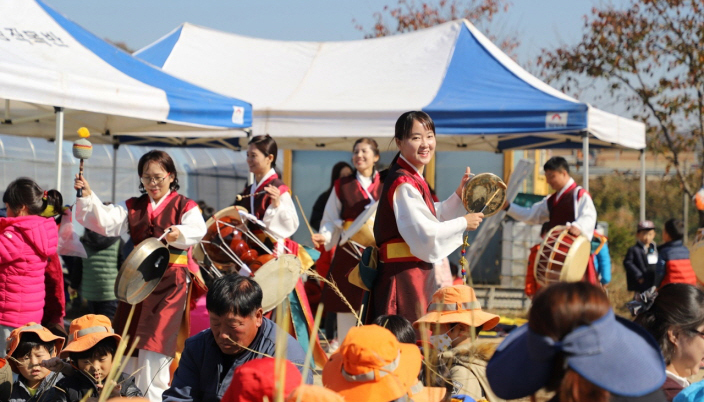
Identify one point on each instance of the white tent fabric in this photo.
(320, 94)
(48, 61)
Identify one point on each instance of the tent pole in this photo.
(115, 146)
(59, 143)
(585, 159)
(642, 184)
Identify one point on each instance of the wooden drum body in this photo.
(561, 257)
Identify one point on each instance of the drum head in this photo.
(141, 272)
(360, 223)
(231, 215)
(277, 279)
(478, 191)
(576, 261)
(696, 256)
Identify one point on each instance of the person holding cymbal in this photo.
(161, 316)
(411, 231)
(350, 197)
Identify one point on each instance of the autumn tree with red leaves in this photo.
(409, 16)
(650, 55)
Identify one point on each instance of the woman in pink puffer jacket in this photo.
(27, 240)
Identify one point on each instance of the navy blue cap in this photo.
(612, 353)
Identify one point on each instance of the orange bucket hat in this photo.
(373, 366)
(85, 332)
(314, 393)
(13, 341)
(457, 304)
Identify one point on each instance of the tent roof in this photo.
(309, 94)
(47, 60)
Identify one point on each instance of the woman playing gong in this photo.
(268, 198)
(351, 196)
(160, 316)
(411, 231)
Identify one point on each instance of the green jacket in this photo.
(101, 267)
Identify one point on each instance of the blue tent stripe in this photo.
(187, 103)
(157, 54)
(479, 95)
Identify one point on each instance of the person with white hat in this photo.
(453, 315)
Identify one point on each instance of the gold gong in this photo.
(485, 192)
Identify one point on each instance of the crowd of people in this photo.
(399, 335)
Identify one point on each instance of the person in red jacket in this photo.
(673, 257)
(27, 241)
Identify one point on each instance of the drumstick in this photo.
(240, 197)
(310, 229)
(502, 186)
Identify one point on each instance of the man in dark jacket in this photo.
(641, 259)
(238, 333)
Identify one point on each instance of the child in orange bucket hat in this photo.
(92, 344)
(372, 366)
(313, 393)
(27, 347)
(454, 317)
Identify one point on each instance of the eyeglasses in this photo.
(154, 180)
(694, 331)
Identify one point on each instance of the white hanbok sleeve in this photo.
(428, 238)
(451, 208)
(586, 216)
(331, 224)
(281, 222)
(191, 230)
(535, 215)
(106, 220)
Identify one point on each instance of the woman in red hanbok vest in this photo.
(270, 202)
(411, 231)
(351, 196)
(159, 319)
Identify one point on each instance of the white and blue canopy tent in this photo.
(56, 76)
(313, 93)
(319, 95)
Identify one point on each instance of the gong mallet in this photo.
(240, 197)
(82, 149)
(502, 186)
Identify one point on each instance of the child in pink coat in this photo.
(27, 240)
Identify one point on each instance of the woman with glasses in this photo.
(674, 315)
(160, 317)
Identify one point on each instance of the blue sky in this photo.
(537, 23)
